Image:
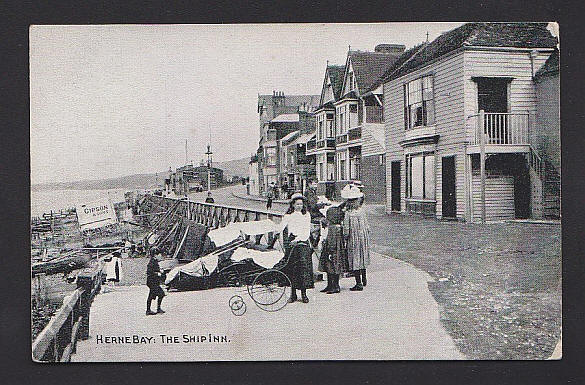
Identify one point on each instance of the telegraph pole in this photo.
(209, 162)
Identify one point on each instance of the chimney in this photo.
(390, 48)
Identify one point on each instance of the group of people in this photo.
(345, 247)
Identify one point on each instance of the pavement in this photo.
(394, 318)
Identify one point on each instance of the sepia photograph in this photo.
(295, 192)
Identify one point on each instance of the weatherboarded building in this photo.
(461, 117)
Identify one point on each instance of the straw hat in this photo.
(296, 196)
(351, 192)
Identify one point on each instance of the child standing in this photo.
(356, 231)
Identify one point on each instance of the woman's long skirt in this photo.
(299, 267)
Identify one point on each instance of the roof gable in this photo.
(333, 77)
(367, 67)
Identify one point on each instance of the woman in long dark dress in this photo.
(296, 231)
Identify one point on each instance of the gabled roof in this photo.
(336, 76)
(516, 35)
(289, 137)
(400, 62)
(369, 66)
(550, 67)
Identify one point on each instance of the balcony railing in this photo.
(341, 139)
(311, 144)
(326, 143)
(499, 128)
(355, 133)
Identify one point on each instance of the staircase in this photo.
(549, 188)
(552, 191)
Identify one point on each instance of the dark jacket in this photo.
(152, 271)
(313, 206)
(209, 200)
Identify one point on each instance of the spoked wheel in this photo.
(237, 305)
(270, 290)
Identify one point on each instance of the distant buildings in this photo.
(279, 115)
(188, 179)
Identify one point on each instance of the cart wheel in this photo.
(237, 305)
(270, 290)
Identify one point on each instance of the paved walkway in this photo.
(394, 318)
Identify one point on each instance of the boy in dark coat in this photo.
(153, 274)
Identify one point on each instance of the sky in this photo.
(115, 100)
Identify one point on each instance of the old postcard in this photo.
(260, 192)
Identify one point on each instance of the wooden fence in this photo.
(58, 340)
(213, 215)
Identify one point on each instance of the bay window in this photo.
(419, 108)
(420, 176)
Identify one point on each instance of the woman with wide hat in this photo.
(356, 232)
(296, 231)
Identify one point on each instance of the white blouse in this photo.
(298, 224)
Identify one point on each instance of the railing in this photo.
(213, 215)
(536, 163)
(58, 340)
(311, 145)
(500, 128)
(326, 143)
(341, 139)
(355, 133)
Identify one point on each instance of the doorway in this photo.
(448, 187)
(395, 186)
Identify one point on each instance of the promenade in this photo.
(394, 318)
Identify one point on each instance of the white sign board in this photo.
(96, 214)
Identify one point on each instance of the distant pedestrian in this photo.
(153, 278)
(313, 207)
(114, 268)
(356, 232)
(209, 198)
(269, 196)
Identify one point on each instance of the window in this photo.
(354, 168)
(342, 165)
(329, 127)
(420, 176)
(320, 130)
(419, 109)
(271, 156)
(350, 82)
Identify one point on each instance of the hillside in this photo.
(138, 181)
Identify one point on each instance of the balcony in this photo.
(341, 139)
(355, 134)
(311, 145)
(502, 132)
(327, 144)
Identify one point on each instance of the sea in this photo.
(43, 201)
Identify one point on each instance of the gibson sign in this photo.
(96, 214)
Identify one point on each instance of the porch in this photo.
(503, 132)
